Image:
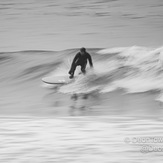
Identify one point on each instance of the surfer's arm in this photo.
(75, 58)
(90, 60)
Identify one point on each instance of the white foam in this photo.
(139, 84)
(106, 66)
(112, 50)
(83, 84)
(109, 88)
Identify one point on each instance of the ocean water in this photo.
(111, 119)
(113, 114)
(80, 139)
(65, 24)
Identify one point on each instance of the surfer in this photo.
(80, 59)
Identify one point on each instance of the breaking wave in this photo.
(135, 69)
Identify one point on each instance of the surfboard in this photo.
(57, 79)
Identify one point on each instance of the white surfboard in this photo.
(57, 79)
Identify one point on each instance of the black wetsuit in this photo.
(80, 59)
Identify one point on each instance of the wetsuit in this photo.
(80, 59)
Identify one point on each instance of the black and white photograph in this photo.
(81, 81)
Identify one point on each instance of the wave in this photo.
(144, 67)
(135, 69)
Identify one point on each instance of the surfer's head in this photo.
(82, 50)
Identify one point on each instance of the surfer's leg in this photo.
(83, 67)
(72, 70)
